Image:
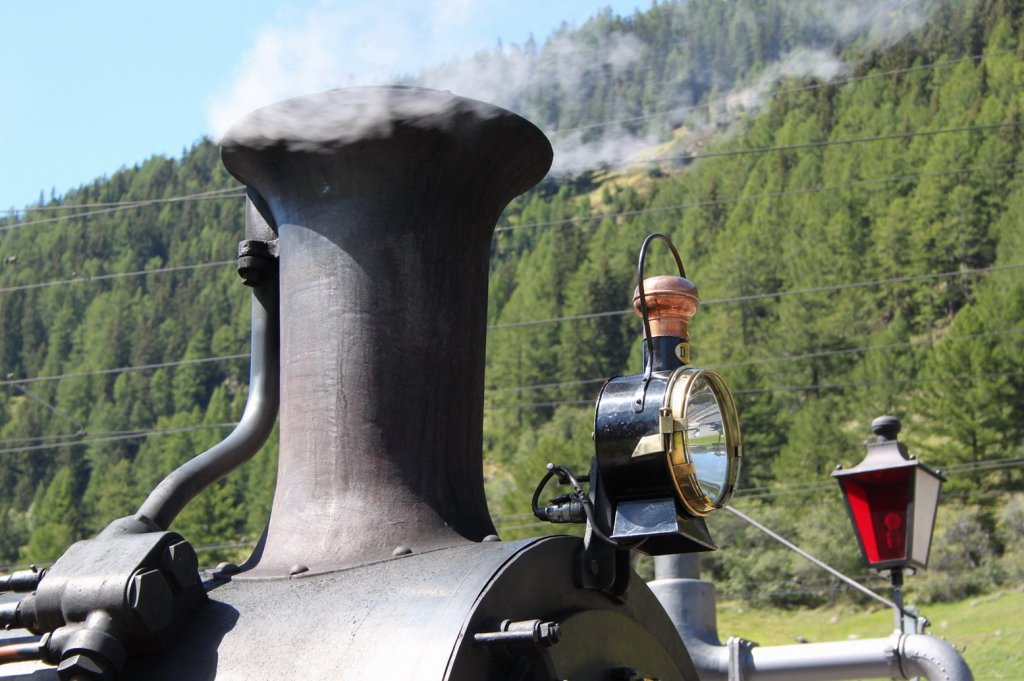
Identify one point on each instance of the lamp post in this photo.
(892, 499)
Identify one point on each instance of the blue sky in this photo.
(89, 87)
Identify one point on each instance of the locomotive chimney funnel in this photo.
(385, 201)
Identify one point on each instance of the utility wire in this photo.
(675, 159)
(787, 489)
(541, 386)
(203, 196)
(793, 547)
(63, 436)
(239, 191)
(136, 435)
(576, 220)
(556, 403)
(724, 99)
(118, 370)
(118, 275)
(765, 195)
(779, 359)
(866, 348)
(56, 412)
(866, 384)
(219, 193)
(789, 388)
(772, 294)
(689, 158)
(40, 438)
(134, 203)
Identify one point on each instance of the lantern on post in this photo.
(892, 499)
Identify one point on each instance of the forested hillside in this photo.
(858, 244)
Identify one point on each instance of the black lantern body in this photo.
(667, 440)
(892, 499)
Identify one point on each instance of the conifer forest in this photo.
(857, 237)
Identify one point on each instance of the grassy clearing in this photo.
(988, 630)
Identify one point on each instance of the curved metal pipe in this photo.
(932, 658)
(175, 491)
(690, 603)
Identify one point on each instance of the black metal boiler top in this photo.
(418, 617)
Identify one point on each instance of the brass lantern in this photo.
(667, 440)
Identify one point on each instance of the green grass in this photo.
(988, 629)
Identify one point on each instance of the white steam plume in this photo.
(339, 45)
(393, 40)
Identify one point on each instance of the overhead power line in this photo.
(808, 145)
(117, 275)
(772, 294)
(869, 384)
(574, 220)
(724, 99)
(221, 193)
(814, 189)
(49, 407)
(134, 203)
(73, 436)
(118, 370)
(131, 435)
(778, 359)
(787, 388)
(40, 438)
(789, 489)
(126, 205)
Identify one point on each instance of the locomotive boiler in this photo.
(368, 229)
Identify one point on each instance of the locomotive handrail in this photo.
(690, 603)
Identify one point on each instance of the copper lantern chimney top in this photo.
(671, 303)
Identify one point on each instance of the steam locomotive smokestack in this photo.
(385, 201)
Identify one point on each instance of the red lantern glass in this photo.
(892, 500)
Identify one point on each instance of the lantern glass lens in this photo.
(926, 501)
(878, 503)
(706, 437)
(704, 452)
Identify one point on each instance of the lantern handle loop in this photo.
(644, 314)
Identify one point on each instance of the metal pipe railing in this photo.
(690, 603)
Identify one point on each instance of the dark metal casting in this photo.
(108, 597)
(385, 201)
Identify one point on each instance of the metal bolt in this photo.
(401, 551)
(492, 537)
(80, 667)
(181, 565)
(298, 569)
(226, 569)
(151, 600)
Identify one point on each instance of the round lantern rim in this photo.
(686, 479)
